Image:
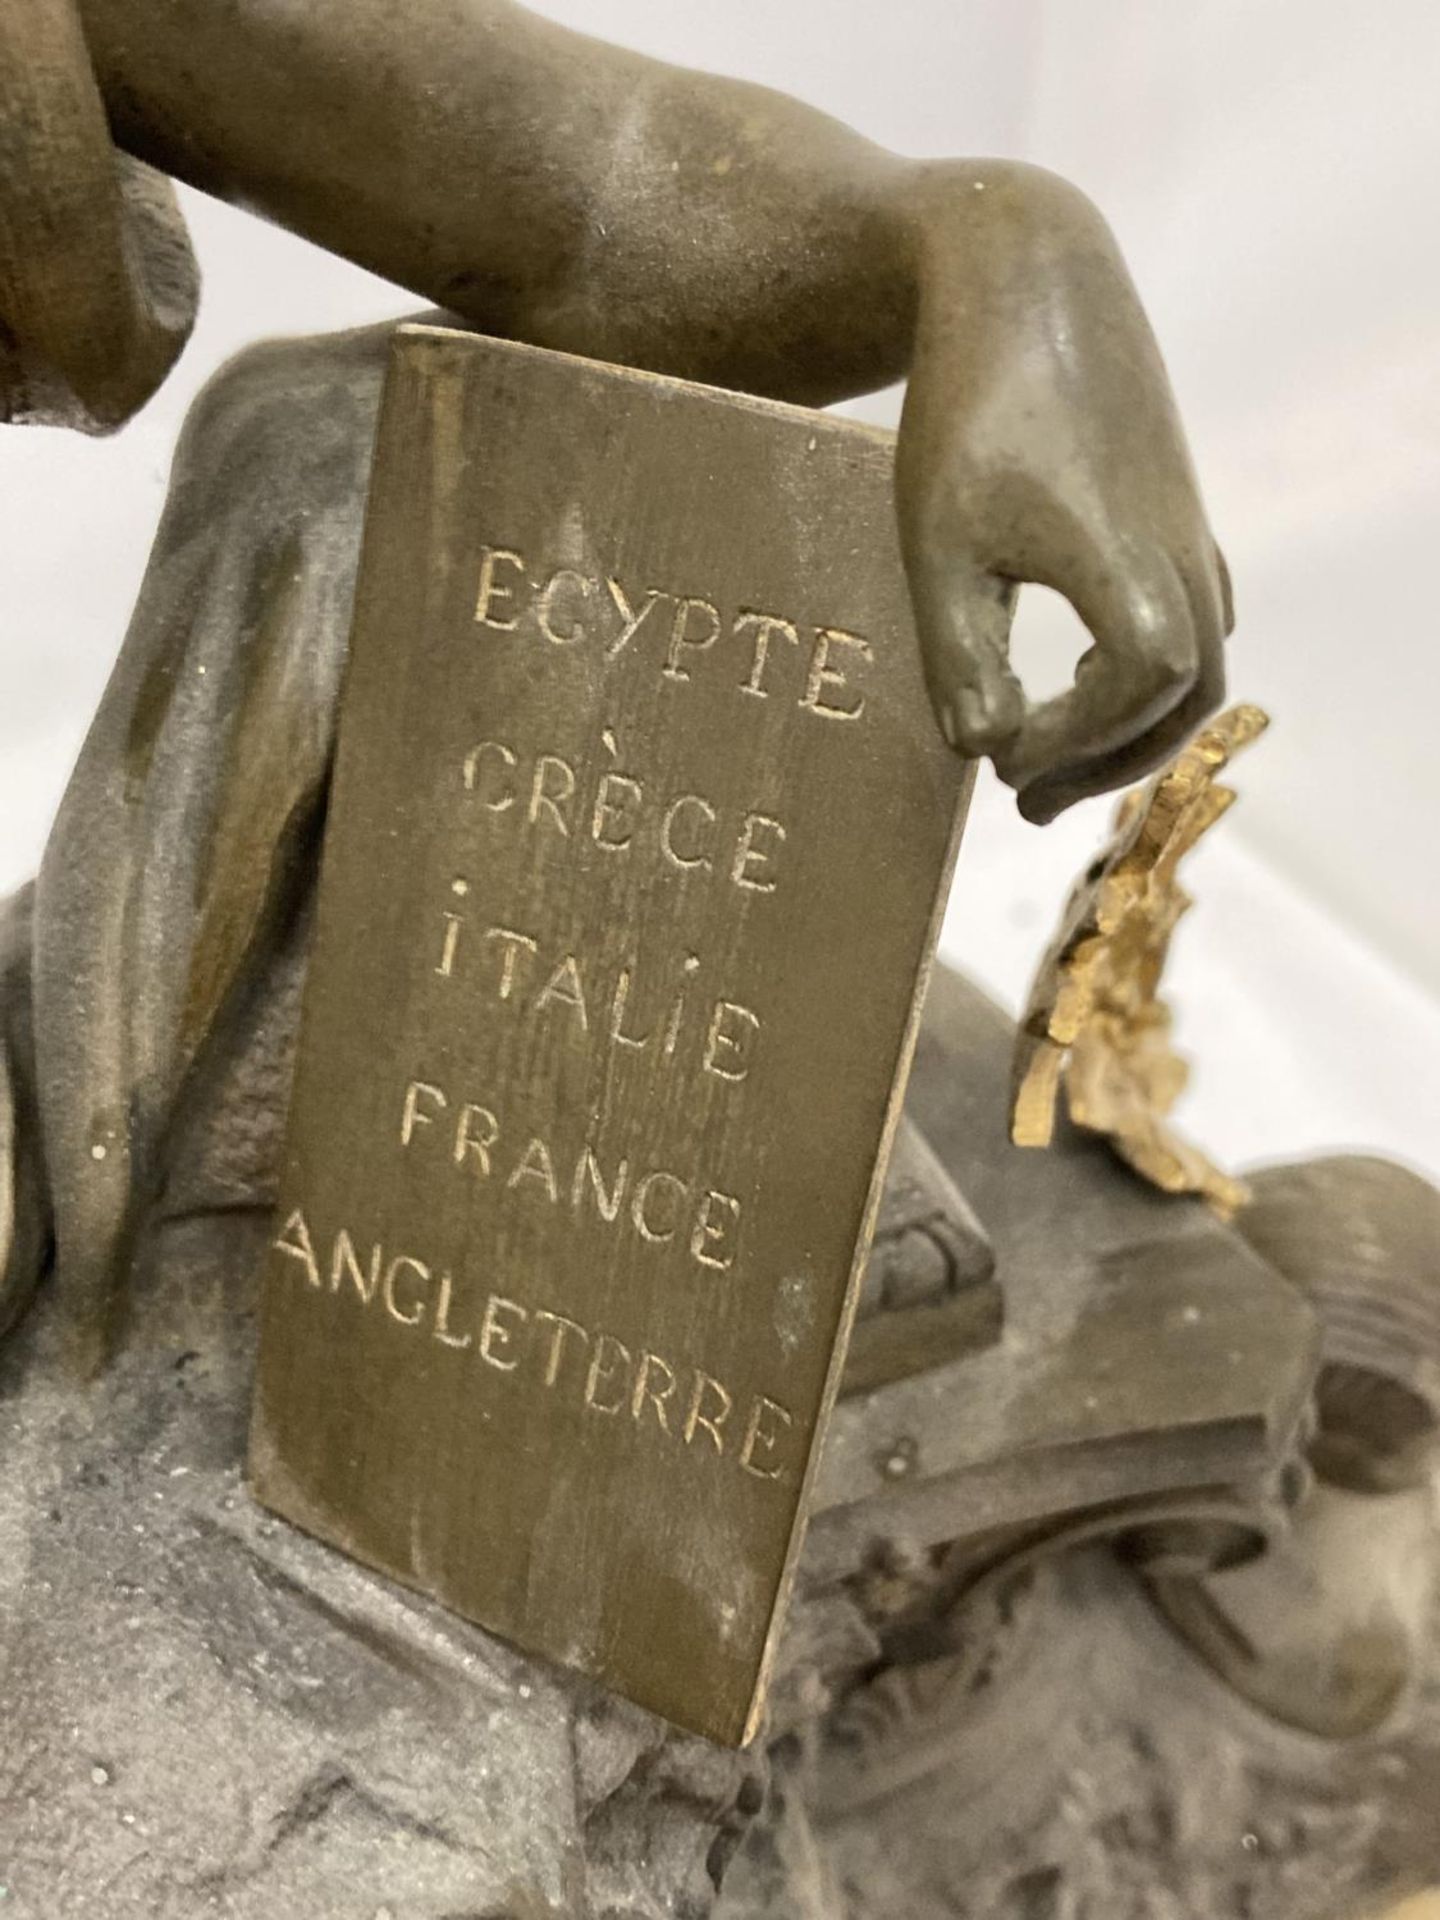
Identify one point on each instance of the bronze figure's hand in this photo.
(546, 189)
(1040, 443)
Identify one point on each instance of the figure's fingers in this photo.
(1145, 660)
(1043, 797)
(964, 615)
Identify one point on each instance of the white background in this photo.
(1273, 170)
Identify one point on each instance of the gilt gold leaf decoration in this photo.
(1095, 1023)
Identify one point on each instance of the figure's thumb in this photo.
(964, 618)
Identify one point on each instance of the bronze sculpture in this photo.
(210, 1715)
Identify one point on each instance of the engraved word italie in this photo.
(639, 831)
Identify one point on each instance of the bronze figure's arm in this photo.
(549, 188)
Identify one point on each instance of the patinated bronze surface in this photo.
(98, 285)
(640, 834)
(221, 1714)
(546, 188)
(207, 1711)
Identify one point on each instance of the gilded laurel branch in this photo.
(1095, 1022)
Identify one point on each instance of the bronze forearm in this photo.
(533, 180)
(543, 186)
